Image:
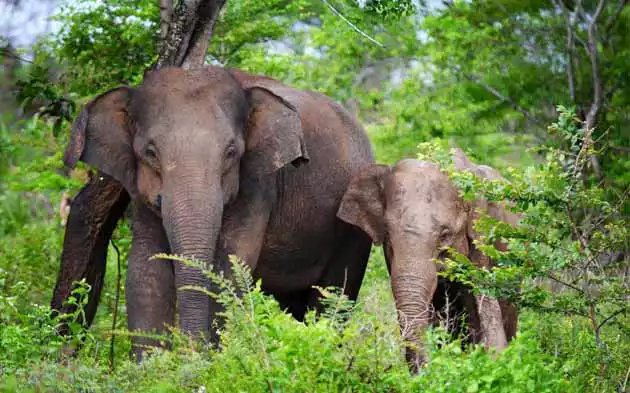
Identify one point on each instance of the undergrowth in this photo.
(263, 349)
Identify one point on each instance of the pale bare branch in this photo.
(354, 27)
(569, 21)
(598, 84)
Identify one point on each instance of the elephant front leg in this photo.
(242, 234)
(150, 287)
(491, 319)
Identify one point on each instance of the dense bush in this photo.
(482, 75)
(265, 349)
(567, 257)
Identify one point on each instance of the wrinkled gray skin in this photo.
(220, 162)
(414, 210)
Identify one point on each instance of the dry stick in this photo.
(115, 313)
(625, 381)
(364, 34)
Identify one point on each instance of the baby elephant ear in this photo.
(363, 204)
(102, 137)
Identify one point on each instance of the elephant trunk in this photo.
(414, 281)
(192, 219)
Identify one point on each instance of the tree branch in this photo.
(506, 99)
(208, 15)
(9, 53)
(559, 281)
(613, 17)
(591, 116)
(570, 49)
(355, 28)
(611, 316)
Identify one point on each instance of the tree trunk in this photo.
(191, 26)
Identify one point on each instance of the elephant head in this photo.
(179, 143)
(415, 211)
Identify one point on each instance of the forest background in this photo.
(538, 89)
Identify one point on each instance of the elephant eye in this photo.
(150, 152)
(445, 236)
(230, 152)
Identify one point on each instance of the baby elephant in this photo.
(414, 210)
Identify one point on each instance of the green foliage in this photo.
(571, 234)
(105, 44)
(487, 76)
(522, 367)
(29, 334)
(264, 348)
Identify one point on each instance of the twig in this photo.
(504, 98)
(625, 381)
(334, 10)
(9, 53)
(611, 316)
(115, 313)
(554, 278)
(613, 17)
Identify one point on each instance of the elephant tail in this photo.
(94, 213)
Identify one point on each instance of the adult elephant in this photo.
(414, 210)
(218, 162)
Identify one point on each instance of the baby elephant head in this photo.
(415, 211)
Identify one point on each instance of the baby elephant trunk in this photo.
(414, 281)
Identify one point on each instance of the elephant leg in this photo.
(491, 320)
(346, 266)
(294, 303)
(150, 287)
(510, 318)
(242, 234)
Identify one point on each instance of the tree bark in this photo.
(191, 26)
(166, 9)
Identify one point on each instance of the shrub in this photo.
(568, 257)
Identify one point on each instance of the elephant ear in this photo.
(363, 204)
(274, 134)
(102, 137)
